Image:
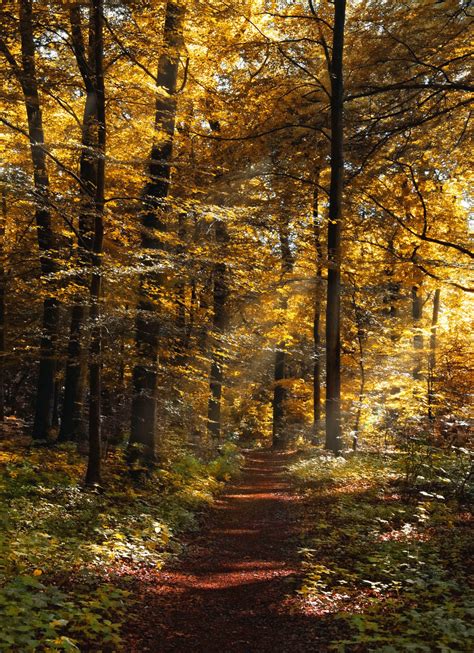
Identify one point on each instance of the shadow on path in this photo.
(230, 593)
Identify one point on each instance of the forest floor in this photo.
(363, 553)
(232, 589)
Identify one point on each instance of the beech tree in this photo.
(153, 218)
(333, 304)
(25, 73)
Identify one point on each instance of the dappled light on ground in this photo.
(230, 593)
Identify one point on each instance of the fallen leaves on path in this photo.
(232, 590)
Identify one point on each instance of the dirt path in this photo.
(230, 592)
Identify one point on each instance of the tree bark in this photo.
(72, 423)
(143, 439)
(317, 412)
(333, 304)
(3, 221)
(360, 342)
(392, 294)
(73, 426)
(181, 328)
(219, 325)
(279, 396)
(432, 356)
(417, 314)
(279, 436)
(47, 240)
(93, 474)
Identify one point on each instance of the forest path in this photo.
(230, 592)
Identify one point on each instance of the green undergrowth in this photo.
(66, 553)
(387, 549)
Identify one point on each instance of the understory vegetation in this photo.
(387, 548)
(67, 554)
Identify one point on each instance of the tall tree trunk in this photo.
(72, 422)
(432, 356)
(47, 241)
(143, 428)
(219, 324)
(44, 404)
(93, 474)
(417, 314)
(333, 305)
(317, 312)
(73, 426)
(392, 294)
(204, 302)
(279, 395)
(3, 222)
(360, 342)
(56, 402)
(181, 331)
(279, 436)
(192, 314)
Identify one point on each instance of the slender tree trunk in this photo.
(3, 222)
(72, 422)
(192, 315)
(143, 440)
(44, 407)
(360, 342)
(355, 441)
(56, 402)
(120, 397)
(317, 312)
(279, 396)
(73, 426)
(219, 325)
(279, 436)
(46, 238)
(417, 314)
(181, 331)
(204, 305)
(333, 304)
(93, 474)
(432, 356)
(392, 294)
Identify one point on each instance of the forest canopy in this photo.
(218, 234)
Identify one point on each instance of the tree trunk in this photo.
(219, 324)
(56, 402)
(192, 314)
(73, 426)
(417, 314)
(93, 474)
(181, 328)
(143, 428)
(392, 294)
(279, 395)
(3, 221)
(333, 305)
(279, 436)
(46, 238)
(360, 342)
(432, 356)
(317, 312)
